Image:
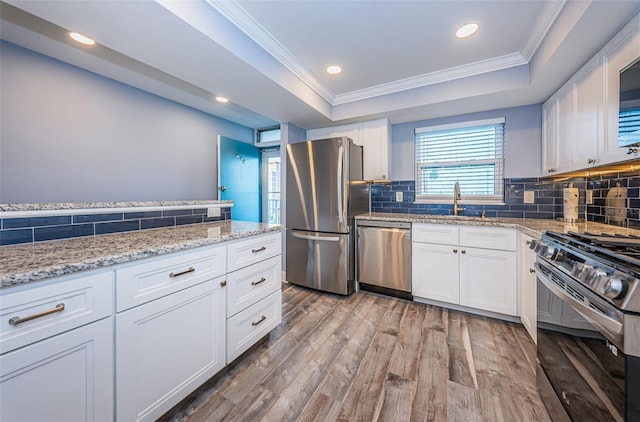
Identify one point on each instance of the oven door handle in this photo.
(610, 325)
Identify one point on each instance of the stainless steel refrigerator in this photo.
(325, 191)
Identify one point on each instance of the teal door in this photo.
(239, 178)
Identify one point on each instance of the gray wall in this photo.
(523, 141)
(68, 135)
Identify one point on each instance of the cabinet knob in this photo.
(528, 242)
(463, 251)
(591, 160)
(455, 251)
(531, 270)
(223, 283)
(632, 151)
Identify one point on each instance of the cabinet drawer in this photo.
(252, 250)
(488, 238)
(247, 327)
(158, 277)
(444, 234)
(251, 284)
(62, 305)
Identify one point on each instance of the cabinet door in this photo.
(68, 377)
(619, 53)
(549, 306)
(434, 272)
(351, 131)
(375, 138)
(165, 349)
(550, 136)
(565, 125)
(528, 286)
(488, 280)
(586, 86)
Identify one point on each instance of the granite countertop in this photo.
(61, 206)
(531, 226)
(31, 262)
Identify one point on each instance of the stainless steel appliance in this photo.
(384, 257)
(324, 191)
(595, 372)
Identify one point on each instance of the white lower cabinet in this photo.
(57, 351)
(475, 267)
(68, 377)
(488, 280)
(528, 286)
(435, 272)
(166, 348)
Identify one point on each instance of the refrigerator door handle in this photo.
(340, 171)
(322, 238)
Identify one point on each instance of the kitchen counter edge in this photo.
(28, 263)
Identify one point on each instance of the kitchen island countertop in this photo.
(31, 262)
(531, 226)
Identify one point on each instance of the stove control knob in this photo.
(550, 252)
(613, 288)
(580, 270)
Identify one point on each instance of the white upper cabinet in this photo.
(580, 121)
(619, 53)
(375, 138)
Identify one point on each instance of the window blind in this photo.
(471, 154)
(629, 125)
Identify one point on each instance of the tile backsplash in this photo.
(548, 199)
(36, 229)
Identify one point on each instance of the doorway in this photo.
(239, 178)
(271, 185)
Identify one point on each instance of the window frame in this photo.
(466, 199)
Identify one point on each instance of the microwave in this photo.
(629, 114)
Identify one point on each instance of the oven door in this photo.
(584, 367)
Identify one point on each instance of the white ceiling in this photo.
(401, 59)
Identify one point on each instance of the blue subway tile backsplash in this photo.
(36, 229)
(548, 198)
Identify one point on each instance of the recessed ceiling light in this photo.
(467, 30)
(82, 39)
(222, 99)
(334, 70)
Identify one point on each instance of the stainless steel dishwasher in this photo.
(384, 257)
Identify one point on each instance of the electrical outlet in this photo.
(398, 196)
(589, 197)
(529, 197)
(213, 212)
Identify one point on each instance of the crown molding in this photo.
(239, 17)
(440, 76)
(544, 23)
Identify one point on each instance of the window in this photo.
(470, 153)
(271, 186)
(269, 136)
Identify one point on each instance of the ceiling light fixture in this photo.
(334, 70)
(467, 30)
(82, 39)
(222, 99)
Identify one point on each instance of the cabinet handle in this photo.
(255, 283)
(17, 320)
(632, 151)
(463, 251)
(263, 318)
(531, 270)
(223, 283)
(455, 251)
(591, 160)
(260, 249)
(174, 275)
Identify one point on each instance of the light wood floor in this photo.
(372, 358)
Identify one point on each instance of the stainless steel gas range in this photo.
(594, 369)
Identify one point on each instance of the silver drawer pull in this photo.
(17, 320)
(174, 275)
(263, 318)
(260, 249)
(255, 283)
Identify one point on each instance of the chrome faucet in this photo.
(456, 198)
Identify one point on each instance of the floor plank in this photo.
(367, 357)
